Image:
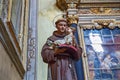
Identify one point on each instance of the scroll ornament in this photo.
(99, 24)
(104, 23)
(72, 19)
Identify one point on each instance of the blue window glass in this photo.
(103, 53)
(116, 31)
(106, 31)
(96, 32)
(117, 39)
(87, 40)
(107, 39)
(87, 32)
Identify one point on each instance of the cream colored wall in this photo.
(8, 70)
(46, 14)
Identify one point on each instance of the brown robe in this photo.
(61, 66)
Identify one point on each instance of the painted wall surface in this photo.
(8, 70)
(47, 11)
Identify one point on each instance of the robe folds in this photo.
(60, 66)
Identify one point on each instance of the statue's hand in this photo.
(59, 50)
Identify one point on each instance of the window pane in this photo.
(117, 39)
(107, 39)
(16, 15)
(98, 32)
(106, 31)
(103, 54)
(87, 32)
(106, 74)
(87, 40)
(116, 31)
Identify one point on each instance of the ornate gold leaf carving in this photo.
(61, 4)
(72, 6)
(99, 24)
(72, 19)
(87, 26)
(117, 23)
(104, 22)
(72, 1)
(101, 10)
(110, 23)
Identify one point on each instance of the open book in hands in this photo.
(69, 49)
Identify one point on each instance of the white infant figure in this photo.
(68, 39)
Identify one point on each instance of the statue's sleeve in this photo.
(47, 53)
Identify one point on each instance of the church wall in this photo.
(13, 39)
(7, 68)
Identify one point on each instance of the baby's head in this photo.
(70, 30)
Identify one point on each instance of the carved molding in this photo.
(72, 19)
(68, 4)
(87, 26)
(117, 23)
(104, 22)
(60, 3)
(31, 73)
(99, 24)
(88, 4)
(72, 1)
(71, 6)
(99, 11)
(93, 5)
(10, 28)
(72, 16)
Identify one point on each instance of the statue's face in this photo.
(61, 26)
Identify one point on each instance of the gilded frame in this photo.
(14, 16)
